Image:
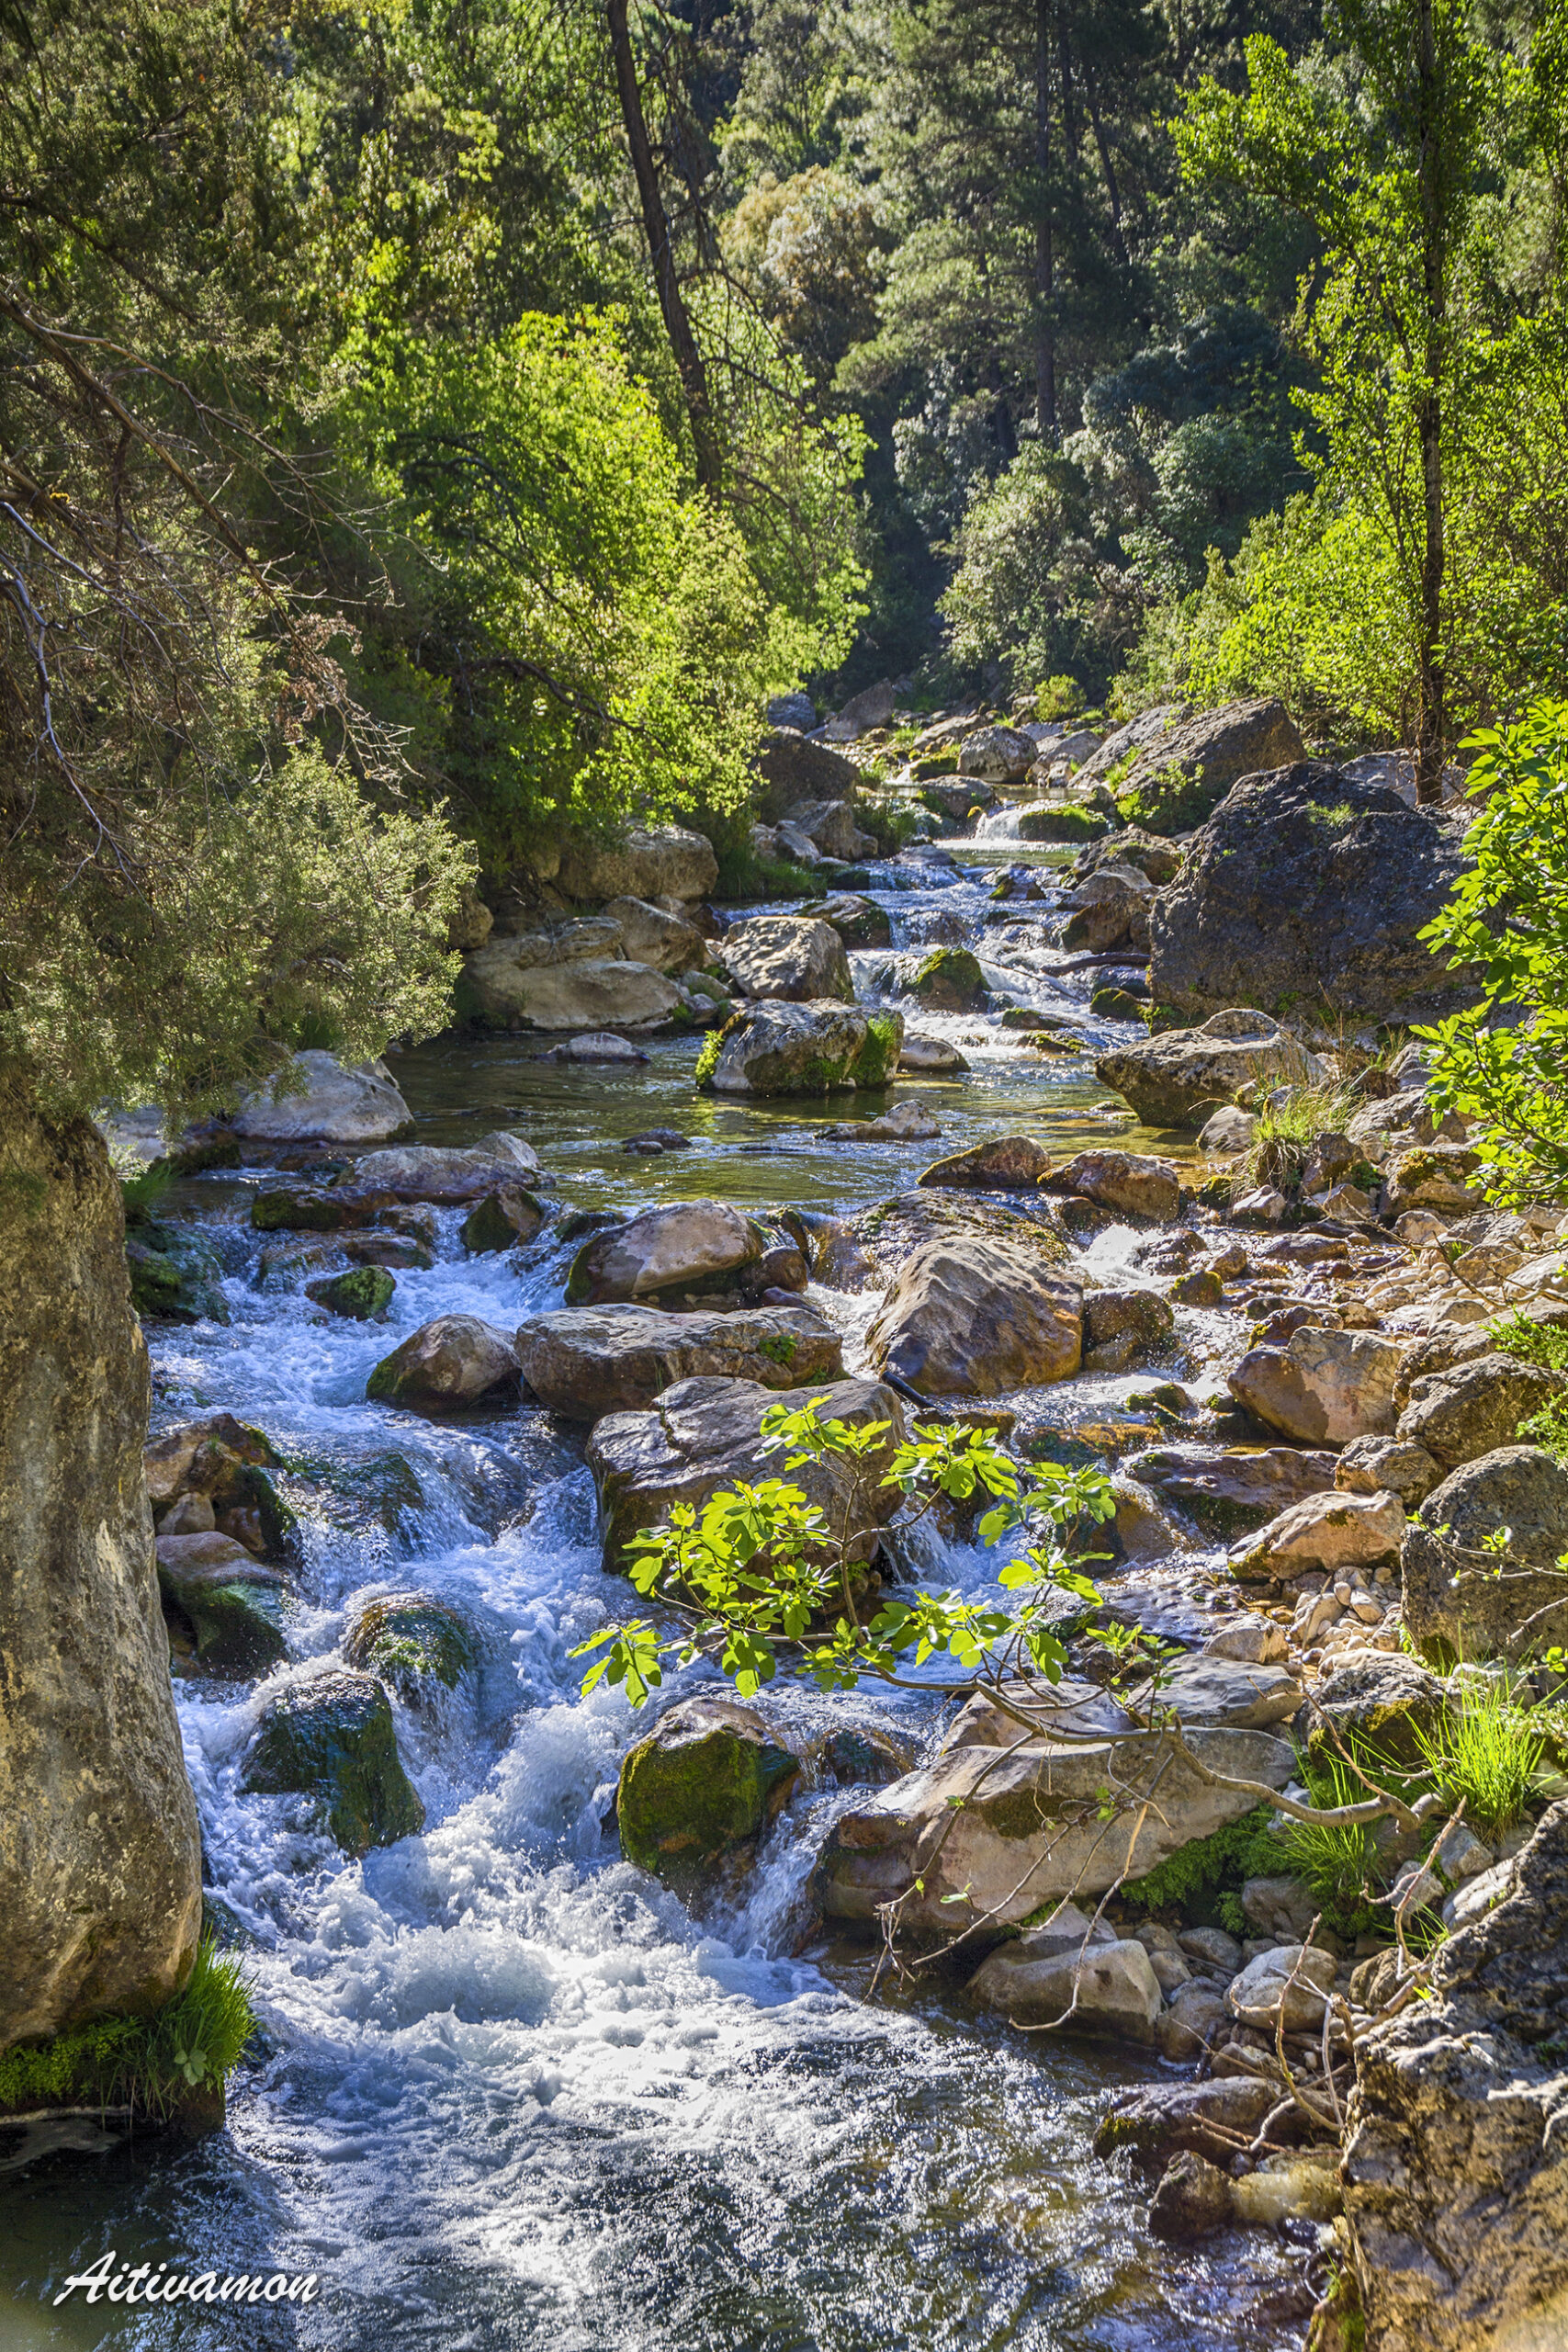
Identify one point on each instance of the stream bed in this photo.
(510, 2096)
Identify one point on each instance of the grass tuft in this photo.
(151, 2063)
(1483, 1750)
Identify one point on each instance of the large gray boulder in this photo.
(1472, 1408)
(498, 991)
(792, 956)
(650, 935)
(440, 1173)
(1099, 1987)
(1459, 1599)
(665, 861)
(1229, 1488)
(587, 1361)
(818, 1048)
(1456, 2161)
(1180, 775)
(100, 1886)
(314, 1099)
(1179, 1078)
(452, 1361)
(682, 1245)
(706, 1433)
(794, 770)
(971, 1838)
(1321, 1387)
(1307, 890)
(974, 1317)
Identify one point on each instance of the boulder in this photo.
(782, 1048)
(793, 771)
(1124, 1328)
(1103, 1988)
(665, 861)
(505, 1219)
(1225, 1134)
(1435, 1176)
(231, 1464)
(872, 707)
(976, 1318)
(1160, 860)
(176, 1276)
(906, 1123)
(445, 1176)
(860, 922)
(682, 1246)
(1181, 776)
(1282, 1908)
(1058, 820)
(1185, 1077)
(1229, 1693)
(314, 1099)
(786, 956)
(452, 1361)
(830, 828)
(1192, 2200)
(1227, 1487)
(1109, 909)
(332, 1738)
(1321, 1387)
(1287, 1985)
(1129, 1182)
(1308, 889)
(889, 1233)
(929, 1055)
(362, 1296)
(412, 1642)
(582, 994)
(1165, 2120)
(1460, 1599)
(1472, 1408)
(1003, 1839)
(1374, 1465)
(650, 935)
(706, 1433)
(950, 981)
(996, 754)
(1379, 1701)
(586, 1362)
(595, 1046)
(1253, 1641)
(227, 1600)
(1001, 1164)
(1455, 2172)
(1332, 1531)
(707, 1778)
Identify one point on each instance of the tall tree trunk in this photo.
(1432, 726)
(656, 222)
(1106, 165)
(1045, 257)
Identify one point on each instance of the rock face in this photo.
(974, 1318)
(682, 1246)
(1455, 2170)
(332, 1738)
(1180, 775)
(1180, 1079)
(704, 1782)
(667, 863)
(1321, 1387)
(818, 1048)
(1005, 1838)
(1455, 1599)
(790, 956)
(452, 1361)
(1307, 889)
(99, 1858)
(587, 1361)
(331, 1105)
(705, 1434)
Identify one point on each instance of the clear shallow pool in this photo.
(511, 2097)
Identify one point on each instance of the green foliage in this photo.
(1484, 1752)
(1540, 1343)
(1286, 1130)
(1202, 1881)
(1058, 697)
(758, 1574)
(151, 2063)
(1507, 921)
(1340, 1862)
(1548, 1429)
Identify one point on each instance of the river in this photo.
(509, 2096)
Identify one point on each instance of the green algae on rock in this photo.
(332, 1739)
(707, 1781)
(363, 1294)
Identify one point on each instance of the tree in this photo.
(1388, 163)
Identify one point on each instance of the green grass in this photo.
(1339, 1862)
(1282, 1141)
(890, 828)
(1203, 1880)
(1484, 1752)
(151, 2063)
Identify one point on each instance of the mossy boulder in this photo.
(951, 980)
(363, 1294)
(223, 1607)
(1067, 822)
(775, 1047)
(316, 1208)
(332, 1739)
(707, 1781)
(412, 1642)
(175, 1277)
(502, 1220)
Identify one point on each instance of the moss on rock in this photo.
(707, 1781)
(951, 980)
(333, 1740)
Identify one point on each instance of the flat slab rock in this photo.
(586, 1362)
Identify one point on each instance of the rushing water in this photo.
(510, 2094)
